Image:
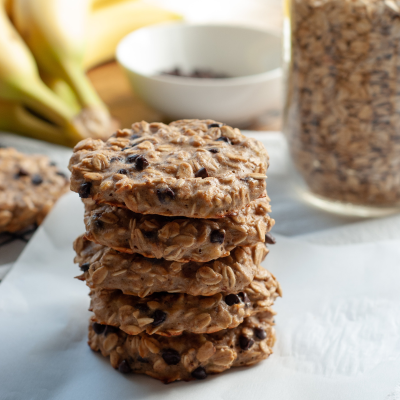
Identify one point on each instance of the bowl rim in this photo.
(204, 82)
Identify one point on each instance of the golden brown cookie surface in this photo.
(192, 168)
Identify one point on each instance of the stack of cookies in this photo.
(176, 228)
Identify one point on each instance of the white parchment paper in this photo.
(338, 326)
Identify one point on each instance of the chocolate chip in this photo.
(98, 224)
(223, 139)
(123, 171)
(110, 329)
(201, 173)
(217, 236)
(171, 356)
(142, 307)
(214, 151)
(260, 333)
(245, 342)
(84, 190)
(60, 173)
(245, 298)
(165, 193)
(149, 235)
(21, 172)
(232, 299)
(214, 125)
(135, 137)
(113, 159)
(159, 317)
(98, 328)
(132, 158)
(85, 267)
(52, 164)
(141, 163)
(124, 367)
(36, 179)
(125, 148)
(269, 238)
(199, 373)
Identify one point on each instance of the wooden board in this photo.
(115, 90)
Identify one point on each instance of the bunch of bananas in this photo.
(46, 46)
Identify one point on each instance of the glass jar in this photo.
(342, 109)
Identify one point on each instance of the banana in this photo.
(14, 117)
(63, 90)
(20, 81)
(54, 30)
(108, 25)
(97, 4)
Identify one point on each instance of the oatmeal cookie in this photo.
(187, 357)
(133, 274)
(191, 168)
(29, 187)
(177, 239)
(172, 314)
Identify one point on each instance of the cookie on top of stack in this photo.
(176, 228)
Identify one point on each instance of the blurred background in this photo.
(262, 14)
(60, 81)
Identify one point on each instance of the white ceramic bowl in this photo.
(252, 58)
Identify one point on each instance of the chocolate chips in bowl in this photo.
(200, 73)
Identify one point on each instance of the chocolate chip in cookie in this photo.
(245, 342)
(165, 194)
(202, 173)
(260, 333)
(36, 179)
(171, 356)
(84, 190)
(140, 161)
(98, 328)
(159, 317)
(269, 238)
(110, 329)
(21, 172)
(63, 174)
(245, 298)
(232, 299)
(223, 139)
(217, 236)
(199, 373)
(85, 267)
(124, 367)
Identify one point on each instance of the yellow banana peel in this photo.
(63, 90)
(55, 32)
(19, 77)
(109, 24)
(15, 117)
(97, 4)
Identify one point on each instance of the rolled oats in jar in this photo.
(342, 111)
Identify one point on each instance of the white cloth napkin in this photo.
(338, 323)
